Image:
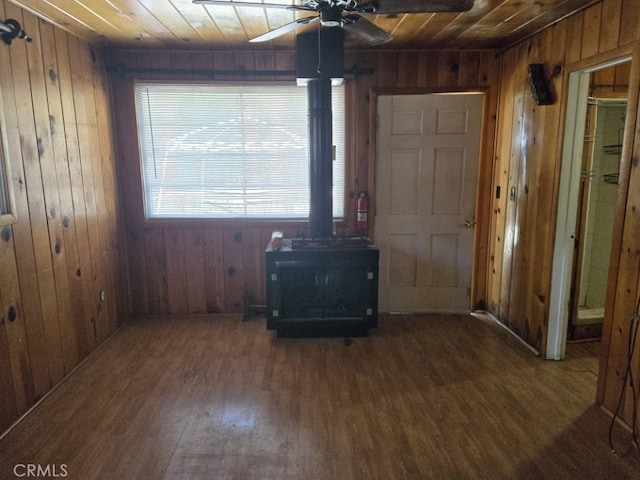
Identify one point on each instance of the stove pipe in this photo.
(320, 158)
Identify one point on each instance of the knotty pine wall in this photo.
(210, 267)
(63, 247)
(528, 153)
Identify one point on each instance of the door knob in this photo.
(469, 224)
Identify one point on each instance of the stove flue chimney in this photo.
(319, 62)
(320, 159)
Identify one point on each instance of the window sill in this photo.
(301, 224)
(221, 223)
(7, 219)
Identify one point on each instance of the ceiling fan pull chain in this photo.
(319, 69)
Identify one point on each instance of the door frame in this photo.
(577, 88)
(480, 256)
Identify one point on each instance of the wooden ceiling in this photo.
(179, 24)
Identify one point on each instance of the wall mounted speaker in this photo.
(539, 85)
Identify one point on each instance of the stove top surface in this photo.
(329, 243)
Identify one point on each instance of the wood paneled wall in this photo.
(63, 248)
(209, 266)
(528, 154)
(526, 169)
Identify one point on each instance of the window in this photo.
(4, 191)
(6, 213)
(230, 150)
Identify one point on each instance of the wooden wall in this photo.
(63, 247)
(526, 171)
(528, 153)
(211, 266)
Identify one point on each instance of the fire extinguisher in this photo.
(363, 207)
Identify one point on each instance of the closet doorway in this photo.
(582, 243)
(604, 129)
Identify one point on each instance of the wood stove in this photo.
(327, 288)
(322, 285)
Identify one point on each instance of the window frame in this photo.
(300, 223)
(8, 216)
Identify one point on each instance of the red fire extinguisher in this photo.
(363, 208)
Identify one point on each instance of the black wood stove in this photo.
(322, 288)
(322, 285)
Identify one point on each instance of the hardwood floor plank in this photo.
(440, 397)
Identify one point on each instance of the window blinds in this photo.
(4, 191)
(230, 150)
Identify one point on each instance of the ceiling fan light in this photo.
(330, 23)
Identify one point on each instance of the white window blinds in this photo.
(4, 200)
(230, 151)
(4, 187)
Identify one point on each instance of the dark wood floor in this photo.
(439, 397)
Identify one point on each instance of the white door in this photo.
(426, 175)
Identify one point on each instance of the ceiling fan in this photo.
(347, 14)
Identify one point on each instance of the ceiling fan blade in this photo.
(286, 28)
(255, 4)
(416, 6)
(366, 30)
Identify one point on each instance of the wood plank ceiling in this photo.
(180, 24)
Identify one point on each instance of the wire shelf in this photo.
(612, 149)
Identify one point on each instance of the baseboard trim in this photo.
(490, 316)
